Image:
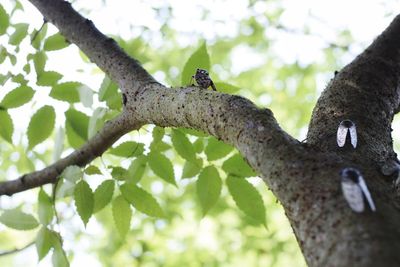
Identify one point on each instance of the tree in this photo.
(304, 176)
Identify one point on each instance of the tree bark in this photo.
(303, 176)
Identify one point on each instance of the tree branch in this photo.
(101, 50)
(233, 119)
(8, 252)
(96, 146)
(215, 113)
(367, 92)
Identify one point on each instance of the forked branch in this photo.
(233, 119)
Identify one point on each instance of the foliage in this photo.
(176, 197)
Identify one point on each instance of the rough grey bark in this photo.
(304, 177)
(367, 92)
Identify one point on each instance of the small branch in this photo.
(53, 196)
(96, 146)
(38, 31)
(8, 252)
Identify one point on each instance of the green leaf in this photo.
(122, 214)
(247, 198)
(162, 167)
(73, 138)
(193, 132)
(48, 78)
(158, 134)
(119, 173)
(4, 20)
(26, 68)
(59, 259)
(41, 125)
(159, 146)
(198, 60)
(208, 188)
(25, 163)
(39, 61)
(17, 97)
(55, 42)
(43, 242)
(84, 200)
(132, 46)
(4, 78)
(84, 57)
(226, 88)
(13, 60)
(237, 166)
(136, 169)
(65, 188)
(18, 220)
(109, 92)
(96, 121)
(58, 144)
(127, 149)
(17, 6)
(141, 200)
(182, 145)
(91, 170)
(6, 126)
(45, 209)
(68, 92)
(21, 30)
(72, 173)
(3, 56)
(111, 114)
(86, 96)
(198, 145)
(103, 195)
(191, 169)
(216, 149)
(36, 43)
(19, 78)
(78, 122)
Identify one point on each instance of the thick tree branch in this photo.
(367, 92)
(233, 119)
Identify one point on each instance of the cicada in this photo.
(355, 190)
(203, 79)
(346, 128)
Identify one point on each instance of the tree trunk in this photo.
(303, 176)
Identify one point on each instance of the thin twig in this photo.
(8, 252)
(37, 32)
(54, 202)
